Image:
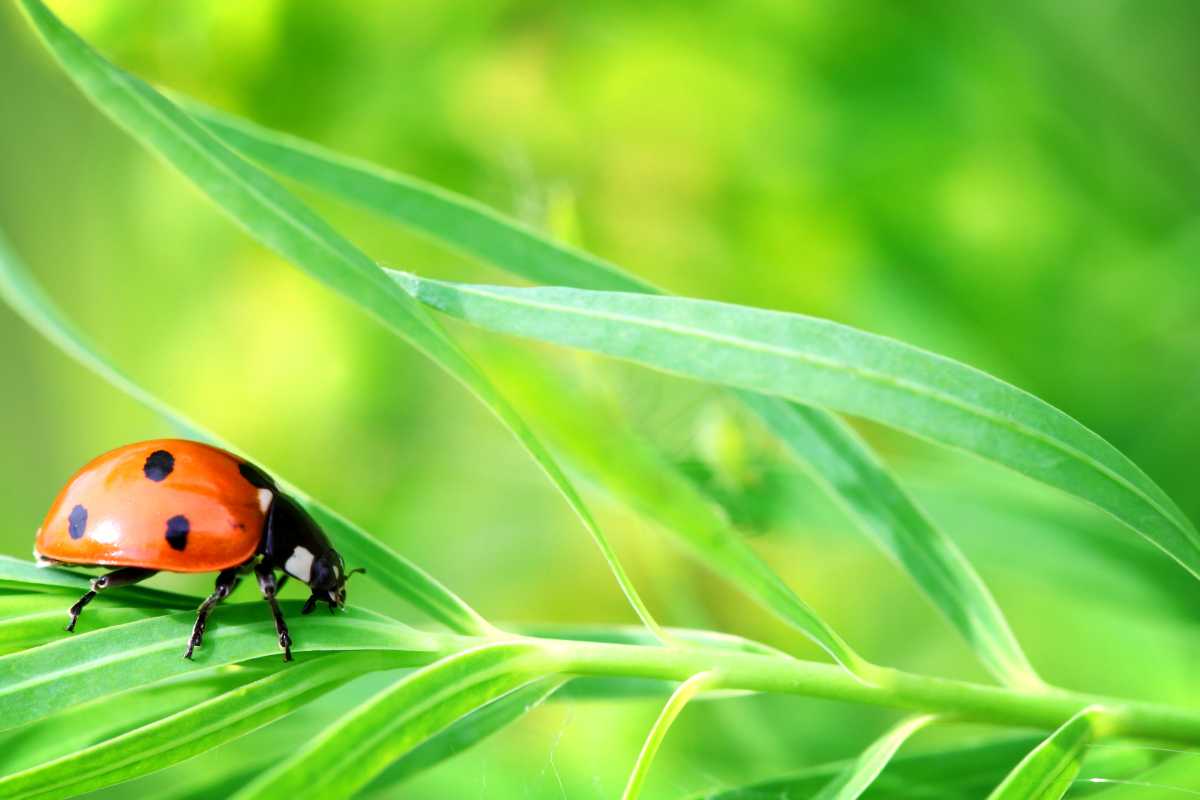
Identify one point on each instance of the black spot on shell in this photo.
(77, 522)
(257, 478)
(177, 531)
(159, 465)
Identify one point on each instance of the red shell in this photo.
(127, 513)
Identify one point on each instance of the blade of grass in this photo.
(396, 573)
(30, 577)
(834, 366)
(870, 494)
(94, 722)
(955, 772)
(844, 465)
(44, 616)
(81, 667)
(466, 226)
(1177, 778)
(272, 215)
(201, 727)
(468, 732)
(636, 474)
(350, 753)
(859, 775)
(1050, 768)
(658, 731)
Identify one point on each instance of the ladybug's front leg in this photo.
(227, 581)
(270, 588)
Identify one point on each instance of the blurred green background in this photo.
(1010, 184)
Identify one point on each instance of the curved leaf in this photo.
(834, 366)
(870, 494)
(1177, 778)
(276, 218)
(954, 772)
(638, 475)
(30, 577)
(94, 722)
(841, 462)
(76, 668)
(348, 754)
(658, 731)
(859, 776)
(390, 569)
(469, 731)
(198, 728)
(1050, 768)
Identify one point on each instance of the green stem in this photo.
(968, 702)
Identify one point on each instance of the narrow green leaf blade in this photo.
(469, 731)
(463, 224)
(1050, 768)
(92, 723)
(29, 577)
(161, 743)
(636, 474)
(871, 495)
(350, 753)
(276, 218)
(76, 668)
(396, 573)
(1177, 778)
(859, 776)
(841, 462)
(825, 364)
(956, 772)
(682, 695)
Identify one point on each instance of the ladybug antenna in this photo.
(309, 604)
(363, 570)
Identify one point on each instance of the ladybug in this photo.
(179, 506)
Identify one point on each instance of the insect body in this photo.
(179, 506)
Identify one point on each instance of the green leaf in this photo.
(842, 463)
(33, 619)
(76, 668)
(469, 731)
(30, 577)
(198, 728)
(94, 722)
(955, 772)
(350, 753)
(871, 495)
(627, 634)
(834, 366)
(631, 470)
(658, 731)
(276, 218)
(1176, 778)
(1050, 768)
(858, 776)
(391, 570)
(462, 224)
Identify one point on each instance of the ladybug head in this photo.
(328, 581)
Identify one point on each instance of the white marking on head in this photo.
(265, 496)
(299, 564)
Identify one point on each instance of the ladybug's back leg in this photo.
(118, 577)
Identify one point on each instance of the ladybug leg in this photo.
(118, 577)
(227, 581)
(270, 588)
